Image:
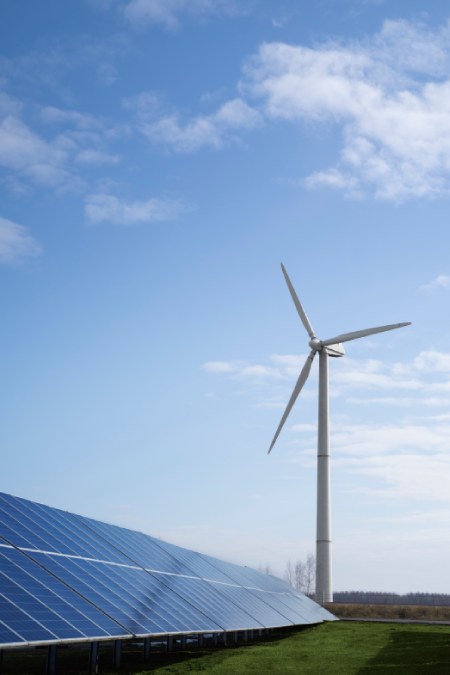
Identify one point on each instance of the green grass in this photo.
(339, 648)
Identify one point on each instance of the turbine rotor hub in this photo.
(315, 344)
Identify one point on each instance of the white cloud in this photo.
(390, 96)
(16, 243)
(219, 367)
(412, 47)
(41, 160)
(402, 461)
(410, 462)
(53, 115)
(167, 13)
(335, 179)
(108, 208)
(31, 159)
(358, 440)
(280, 367)
(427, 361)
(373, 374)
(96, 157)
(366, 374)
(146, 105)
(212, 130)
(441, 281)
(21, 148)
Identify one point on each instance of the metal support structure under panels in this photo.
(117, 653)
(93, 658)
(50, 668)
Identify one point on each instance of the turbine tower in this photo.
(325, 348)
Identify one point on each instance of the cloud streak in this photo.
(368, 374)
(101, 207)
(410, 461)
(168, 13)
(48, 160)
(442, 281)
(16, 243)
(202, 131)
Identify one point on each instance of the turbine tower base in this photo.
(324, 586)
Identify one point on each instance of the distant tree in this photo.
(302, 574)
(289, 574)
(299, 575)
(310, 574)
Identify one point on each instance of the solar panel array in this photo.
(65, 577)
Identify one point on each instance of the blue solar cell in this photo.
(266, 612)
(196, 562)
(246, 576)
(8, 636)
(286, 604)
(20, 623)
(213, 602)
(65, 576)
(139, 548)
(32, 589)
(134, 598)
(47, 529)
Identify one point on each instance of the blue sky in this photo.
(158, 160)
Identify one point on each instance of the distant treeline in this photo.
(370, 598)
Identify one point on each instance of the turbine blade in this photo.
(346, 337)
(297, 389)
(297, 303)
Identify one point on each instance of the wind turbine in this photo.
(325, 348)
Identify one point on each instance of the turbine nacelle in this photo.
(335, 350)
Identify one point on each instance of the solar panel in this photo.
(65, 577)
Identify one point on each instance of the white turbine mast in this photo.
(325, 348)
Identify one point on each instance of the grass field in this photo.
(340, 648)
